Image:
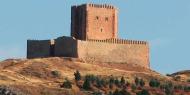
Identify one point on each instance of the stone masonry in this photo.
(93, 39)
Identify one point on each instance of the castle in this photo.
(93, 38)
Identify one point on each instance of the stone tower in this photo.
(92, 21)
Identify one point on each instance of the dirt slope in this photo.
(44, 75)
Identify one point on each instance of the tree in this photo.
(124, 92)
(154, 83)
(103, 82)
(86, 84)
(137, 81)
(117, 82)
(168, 91)
(98, 82)
(77, 75)
(143, 92)
(66, 84)
(133, 87)
(116, 92)
(122, 82)
(141, 82)
(111, 80)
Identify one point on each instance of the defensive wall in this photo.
(40, 48)
(109, 50)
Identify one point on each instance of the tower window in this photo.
(97, 17)
(106, 19)
(101, 29)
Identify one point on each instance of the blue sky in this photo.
(164, 23)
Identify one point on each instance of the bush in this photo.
(137, 80)
(98, 83)
(178, 87)
(92, 78)
(154, 83)
(141, 82)
(187, 88)
(97, 93)
(86, 84)
(143, 92)
(117, 82)
(116, 92)
(124, 92)
(77, 75)
(56, 73)
(168, 91)
(133, 87)
(122, 82)
(66, 84)
(111, 81)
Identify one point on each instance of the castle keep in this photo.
(93, 39)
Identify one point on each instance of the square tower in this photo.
(92, 21)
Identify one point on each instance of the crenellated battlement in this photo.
(101, 6)
(119, 41)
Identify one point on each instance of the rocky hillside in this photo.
(183, 76)
(43, 76)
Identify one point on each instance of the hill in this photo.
(43, 76)
(181, 76)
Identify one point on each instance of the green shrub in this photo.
(137, 80)
(141, 82)
(98, 83)
(116, 81)
(86, 84)
(111, 80)
(154, 83)
(56, 73)
(133, 87)
(168, 91)
(77, 75)
(116, 92)
(143, 92)
(124, 92)
(122, 82)
(91, 77)
(66, 84)
(97, 93)
(187, 88)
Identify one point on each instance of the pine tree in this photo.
(122, 82)
(77, 75)
(116, 92)
(142, 83)
(86, 84)
(137, 81)
(117, 82)
(143, 92)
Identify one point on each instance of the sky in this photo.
(165, 24)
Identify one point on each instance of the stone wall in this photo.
(131, 53)
(110, 50)
(65, 47)
(38, 48)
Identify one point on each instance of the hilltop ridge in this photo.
(24, 74)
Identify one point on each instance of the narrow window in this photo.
(106, 19)
(101, 29)
(97, 17)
